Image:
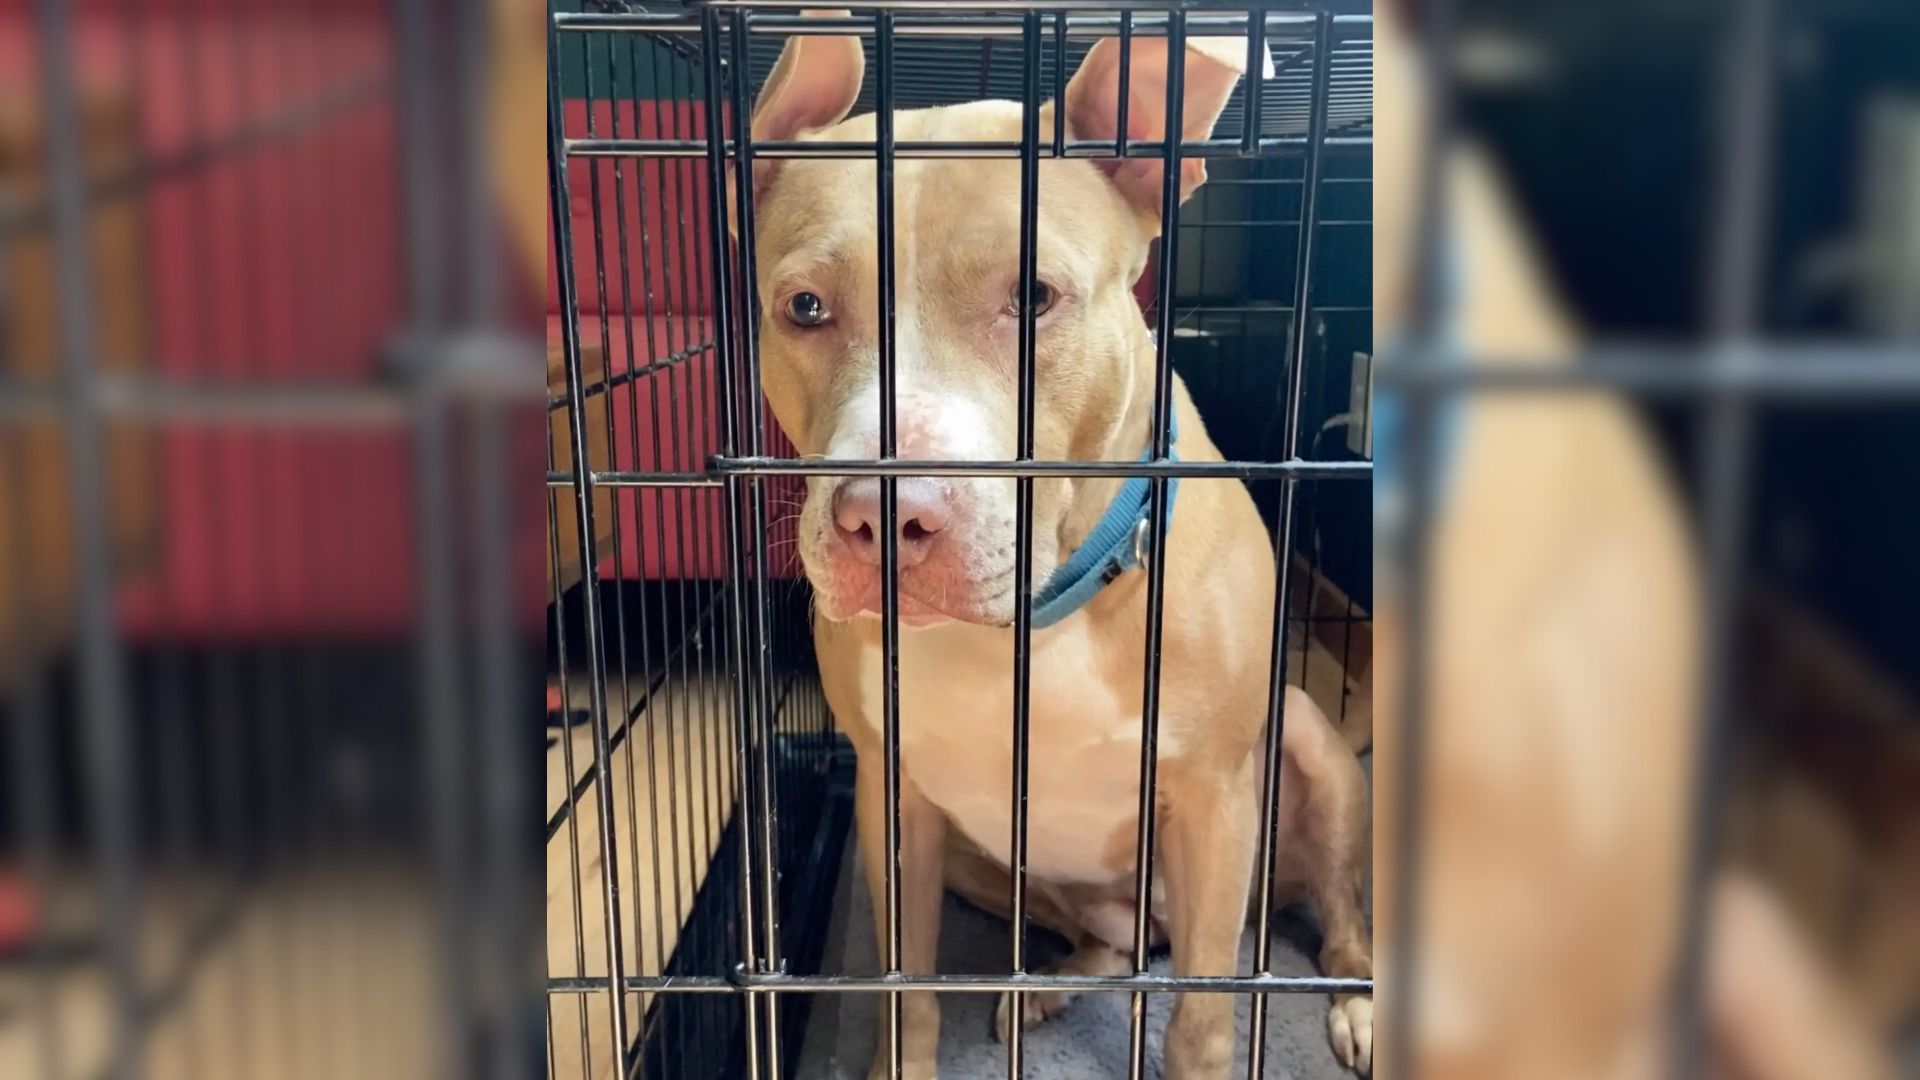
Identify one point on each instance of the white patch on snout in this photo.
(945, 423)
(935, 420)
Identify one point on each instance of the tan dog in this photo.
(957, 252)
(1561, 709)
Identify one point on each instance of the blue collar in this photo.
(1388, 418)
(1116, 545)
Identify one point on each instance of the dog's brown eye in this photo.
(807, 309)
(1040, 299)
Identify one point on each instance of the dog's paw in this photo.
(1350, 1027)
(1036, 1008)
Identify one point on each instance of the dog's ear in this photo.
(1213, 67)
(813, 85)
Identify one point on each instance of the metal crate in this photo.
(722, 984)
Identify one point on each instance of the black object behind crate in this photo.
(807, 886)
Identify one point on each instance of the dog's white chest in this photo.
(956, 745)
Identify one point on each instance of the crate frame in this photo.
(744, 466)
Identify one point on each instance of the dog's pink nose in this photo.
(923, 514)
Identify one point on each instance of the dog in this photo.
(957, 252)
(1561, 703)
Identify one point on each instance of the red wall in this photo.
(282, 263)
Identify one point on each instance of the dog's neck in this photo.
(1127, 441)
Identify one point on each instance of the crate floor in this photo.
(1087, 1042)
(672, 794)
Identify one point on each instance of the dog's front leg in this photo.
(1207, 840)
(923, 843)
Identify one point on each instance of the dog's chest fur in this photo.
(956, 743)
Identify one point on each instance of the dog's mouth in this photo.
(919, 608)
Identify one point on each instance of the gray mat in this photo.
(1087, 1042)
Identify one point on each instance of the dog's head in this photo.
(956, 250)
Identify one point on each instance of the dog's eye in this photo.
(807, 309)
(1040, 300)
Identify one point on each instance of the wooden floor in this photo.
(317, 975)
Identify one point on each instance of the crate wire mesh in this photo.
(721, 973)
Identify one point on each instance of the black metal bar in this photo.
(1286, 181)
(1160, 441)
(201, 401)
(1832, 373)
(725, 467)
(102, 691)
(583, 496)
(1234, 470)
(889, 540)
(508, 794)
(1283, 540)
(642, 22)
(561, 674)
(438, 691)
(1174, 8)
(420, 120)
(728, 306)
(1120, 129)
(1401, 933)
(1028, 153)
(480, 221)
(1023, 500)
(1257, 60)
(753, 417)
(889, 523)
(759, 983)
(668, 362)
(571, 770)
(1735, 288)
(1004, 20)
(854, 150)
(560, 478)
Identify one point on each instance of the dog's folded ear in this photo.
(813, 85)
(1213, 66)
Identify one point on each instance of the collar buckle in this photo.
(1142, 540)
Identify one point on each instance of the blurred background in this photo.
(1716, 203)
(270, 619)
(273, 572)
